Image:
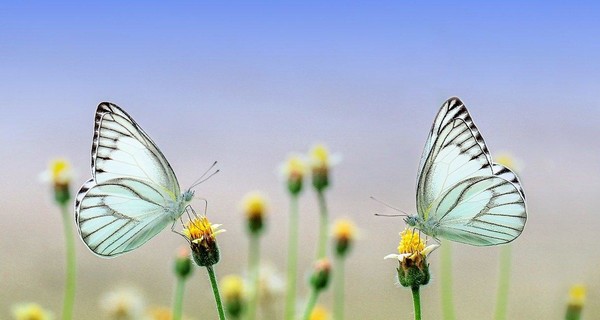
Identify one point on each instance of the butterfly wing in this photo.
(455, 153)
(131, 194)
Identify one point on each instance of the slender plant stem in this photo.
(292, 265)
(253, 267)
(503, 282)
(323, 226)
(215, 287)
(416, 302)
(338, 289)
(310, 305)
(178, 302)
(69, 298)
(446, 281)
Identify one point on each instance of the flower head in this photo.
(234, 296)
(321, 274)
(59, 174)
(293, 170)
(123, 303)
(160, 313)
(183, 264)
(201, 235)
(31, 311)
(254, 205)
(508, 160)
(344, 233)
(576, 301)
(412, 255)
(319, 313)
(321, 162)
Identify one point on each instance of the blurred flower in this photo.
(234, 296)
(319, 313)
(344, 233)
(293, 170)
(321, 162)
(412, 253)
(59, 174)
(254, 205)
(508, 160)
(321, 274)
(201, 235)
(183, 263)
(160, 313)
(123, 304)
(31, 311)
(577, 295)
(270, 282)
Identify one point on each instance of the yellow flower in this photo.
(344, 233)
(31, 311)
(123, 304)
(577, 295)
(59, 174)
(319, 313)
(321, 162)
(234, 296)
(412, 254)
(202, 237)
(160, 313)
(254, 205)
(293, 170)
(508, 160)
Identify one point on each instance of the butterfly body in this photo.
(461, 194)
(133, 193)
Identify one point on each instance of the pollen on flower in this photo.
(410, 242)
(201, 231)
(344, 229)
(319, 156)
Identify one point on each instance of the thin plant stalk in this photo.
(416, 302)
(215, 287)
(310, 305)
(178, 301)
(503, 282)
(253, 267)
(292, 265)
(446, 280)
(338, 289)
(69, 297)
(323, 226)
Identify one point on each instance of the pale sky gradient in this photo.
(245, 84)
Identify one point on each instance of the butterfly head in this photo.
(413, 221)
(188, 195)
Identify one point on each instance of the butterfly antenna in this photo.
(389, 206)
(204, 176)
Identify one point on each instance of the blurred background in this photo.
(248, 83)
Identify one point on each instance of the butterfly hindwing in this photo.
(480, 211)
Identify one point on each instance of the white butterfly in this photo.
(133, 193)
(461, 194)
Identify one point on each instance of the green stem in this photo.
(323, 226)
(573, 313)
(503, 283)
(310, 305)
(69, 298)
(178, 302)
(215, 287)
(292, 265)
(338, 289)
(253, 267)
(416, 302)
(446, 280)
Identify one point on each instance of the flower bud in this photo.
(321, 274)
